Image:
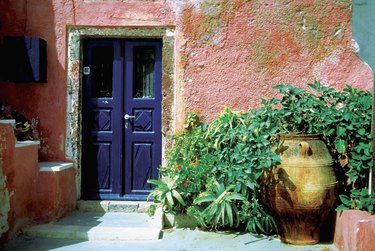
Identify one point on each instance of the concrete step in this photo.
(113, 206)
(101, 226)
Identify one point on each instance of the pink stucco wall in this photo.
(237, 50)
(227, 52)
(34, 196)
(354, 230)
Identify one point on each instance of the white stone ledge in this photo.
(27, 143)
(8, 121)
(54, 166)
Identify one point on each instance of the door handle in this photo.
(128, 117)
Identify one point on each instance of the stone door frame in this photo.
(74, 83)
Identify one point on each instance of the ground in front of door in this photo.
(174, 239)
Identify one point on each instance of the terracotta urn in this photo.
(302, 190)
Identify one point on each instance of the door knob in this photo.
(128, 117)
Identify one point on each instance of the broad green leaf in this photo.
(205, 197)
(236, 196)
(236, 213)
(340, 131)
(155, 182)
(259, 225)
(170, 199)
(342, 208)
(361, 131)
(340, 146)
(229, 214)
(352, 174)
(345, 199)
(370, 208)
(178, 197)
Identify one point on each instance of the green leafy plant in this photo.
(217, 206)
(257, 219)
(358, 199)
(222, 152)
(214, 168)
(166, 194)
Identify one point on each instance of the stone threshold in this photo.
(113, 206)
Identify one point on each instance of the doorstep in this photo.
(113, 206)
(100, 226)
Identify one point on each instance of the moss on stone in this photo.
(215, 15)
(263, 56)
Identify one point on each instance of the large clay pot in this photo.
(301, 191)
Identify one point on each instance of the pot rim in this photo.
(290, 136)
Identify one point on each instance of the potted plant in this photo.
(343, 118)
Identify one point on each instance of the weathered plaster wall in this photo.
(235, 51)
(22, 178)
(5, 131)
(27, 194)
(4, 202)
(49, 19)
(226, 52)
(45, 102)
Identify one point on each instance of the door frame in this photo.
(172, 110)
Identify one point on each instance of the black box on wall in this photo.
(25, 59)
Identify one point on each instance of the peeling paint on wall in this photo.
(244, 47)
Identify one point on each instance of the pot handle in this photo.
(305, 149)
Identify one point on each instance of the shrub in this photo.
(213, 169)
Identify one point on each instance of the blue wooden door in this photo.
(121, 136)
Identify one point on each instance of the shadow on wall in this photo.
(44, 102)
(20, 203)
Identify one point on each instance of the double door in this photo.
(121, 119)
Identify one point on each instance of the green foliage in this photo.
(242, 149)
(344, 117)
(213, 169)
(216, 168)
(258, 219)
(217, 207)
(359, 199)
(166, 194)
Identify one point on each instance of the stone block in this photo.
(179, 221)
(56, 194)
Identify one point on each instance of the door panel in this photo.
(143, 101)
(142, 165)
(119, 155)
(101, 127)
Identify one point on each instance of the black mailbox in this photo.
(25, 59)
